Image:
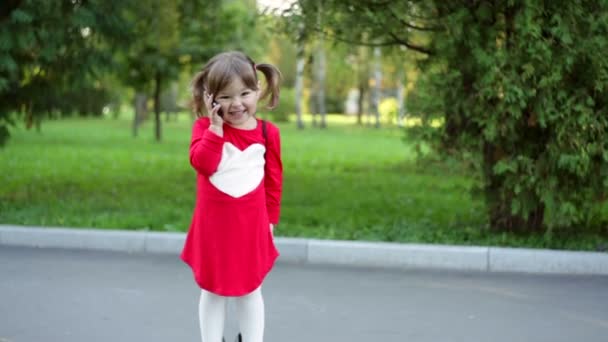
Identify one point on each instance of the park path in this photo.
(57, 295)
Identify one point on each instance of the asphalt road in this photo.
(78, 295)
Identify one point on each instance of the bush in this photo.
(389, 109)
(531, 110)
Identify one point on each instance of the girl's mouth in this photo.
(237, 114)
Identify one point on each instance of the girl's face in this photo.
(238, 102)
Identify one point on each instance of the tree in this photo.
(362, 62)
(299, 29)
(338, 29)
(50, 54)
(299, 80)
(319, 74)
(151, 61)
(521, 89)
(54, 55)
(377, 85)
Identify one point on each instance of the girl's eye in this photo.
(245, 93)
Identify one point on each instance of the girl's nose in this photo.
(237, 102)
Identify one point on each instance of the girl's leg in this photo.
(250, 313)
(211, 315)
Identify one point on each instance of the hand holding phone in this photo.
(216, 124)
(219, 111)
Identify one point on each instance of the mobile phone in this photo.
(219, 112)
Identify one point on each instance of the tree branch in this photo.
(409, 45)
(388, 3)
(386, 6)
(413, 27)
(395, 41)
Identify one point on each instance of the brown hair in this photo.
(223, 68)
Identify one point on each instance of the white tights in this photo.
(249, 310)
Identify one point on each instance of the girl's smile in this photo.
(238, 102)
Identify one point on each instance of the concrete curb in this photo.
(349, 253)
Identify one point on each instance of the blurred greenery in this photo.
(519, 88)
(63, 57)
(506, 101)
(345, 182)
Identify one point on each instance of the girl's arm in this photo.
(205, 148)
(273, 174)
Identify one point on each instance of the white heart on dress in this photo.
(239, 172)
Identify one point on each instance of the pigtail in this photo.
(198, 89)
(273, 80)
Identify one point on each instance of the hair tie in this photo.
(255, 67)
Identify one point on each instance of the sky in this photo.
(275, 4)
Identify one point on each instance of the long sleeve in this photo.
(205, 148)
(273, 178)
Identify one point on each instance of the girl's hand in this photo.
(272, 229)
(216, 120)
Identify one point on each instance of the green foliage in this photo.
(341, 74)
(520, 89)
(209, 27)
(523, 87)
(50, 50)
(64, 57)
(156, 26)
(280, 51)
(373, 22)
(49, 54)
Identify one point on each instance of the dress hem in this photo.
(232, 293)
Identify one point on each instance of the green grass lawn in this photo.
(344, 182)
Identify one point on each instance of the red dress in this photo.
(229, 245)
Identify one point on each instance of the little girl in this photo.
(237, 158)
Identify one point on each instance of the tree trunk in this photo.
(170, 105)
(321, 86)
(157, 121)
(141, 108)
(363, 84)
(499, 199)
(400, 96)
(361, 103)
(377, 86)
(299, 77)
(320, 75)
(312, 103)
